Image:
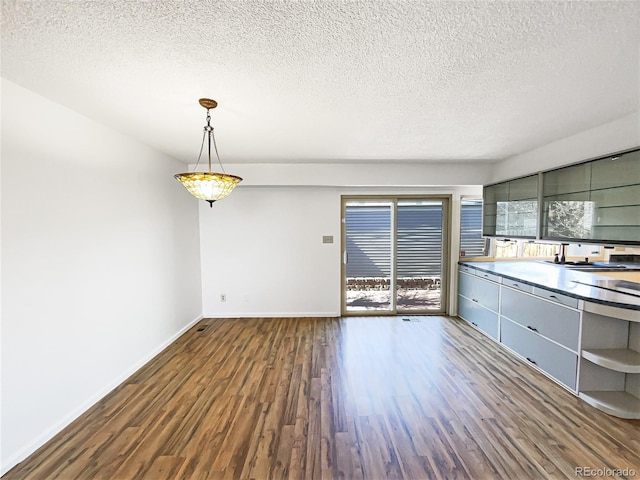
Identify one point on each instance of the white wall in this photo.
(100, 264)
(612, 137)
(262, 247)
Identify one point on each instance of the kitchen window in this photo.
(472, 244)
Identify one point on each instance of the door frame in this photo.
(446, 251)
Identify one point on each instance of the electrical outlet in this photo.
(327, 239)
(223, 297)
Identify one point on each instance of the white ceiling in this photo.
(332, 81)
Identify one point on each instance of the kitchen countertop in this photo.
(588, 286)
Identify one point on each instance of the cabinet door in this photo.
(555, 360)
(492, 196)
(573, 179)
(477, 315)
(478, 290)
(616, 171)
(551, 320)
(568, 216)
(616, 210)
(511, 208)
(521, 219)
(596, 201)
(496, 193)
(523, 188)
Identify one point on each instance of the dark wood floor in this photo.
(371, 398)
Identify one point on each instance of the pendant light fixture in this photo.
(209, 186)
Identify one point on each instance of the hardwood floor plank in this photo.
(327, 428)
(312, 468)
(280, 468)
(164, 467)
(371, 450)
(351, 398)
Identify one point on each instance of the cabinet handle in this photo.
(552, 296)
(516, 285)
(474, 324)
(474, 300)
(532, 361)
(532, 328)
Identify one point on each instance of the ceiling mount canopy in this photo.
(209, 186)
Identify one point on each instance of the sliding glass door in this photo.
(420, 256)
(368, 256)
(394, 255)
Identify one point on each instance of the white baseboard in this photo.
(272, 315)
(51, 432)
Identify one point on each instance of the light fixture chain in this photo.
(209, 130)
(209, 146)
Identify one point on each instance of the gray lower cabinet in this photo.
(479, 316)
(546, 318)
(478, 303)
(560, 337)
(537, 324)
(485, 292)
(542, 330)
(553, 359)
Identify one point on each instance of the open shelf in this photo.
(618, 359)
(618, 404)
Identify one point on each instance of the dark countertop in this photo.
(587, 286)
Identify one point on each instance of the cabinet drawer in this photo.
(467, 269)
(481, 291)
(517, 285)
(555, 360)
(551, 320)
(556, 297)
(488, 276)
(484, 319)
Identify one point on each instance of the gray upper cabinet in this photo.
(616, 171)
(568, 180)
(511, 208)
(598, 201)
(592, 202)
(492, 196)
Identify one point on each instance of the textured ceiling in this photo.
(314, 81)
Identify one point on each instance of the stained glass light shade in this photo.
(209, 186)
